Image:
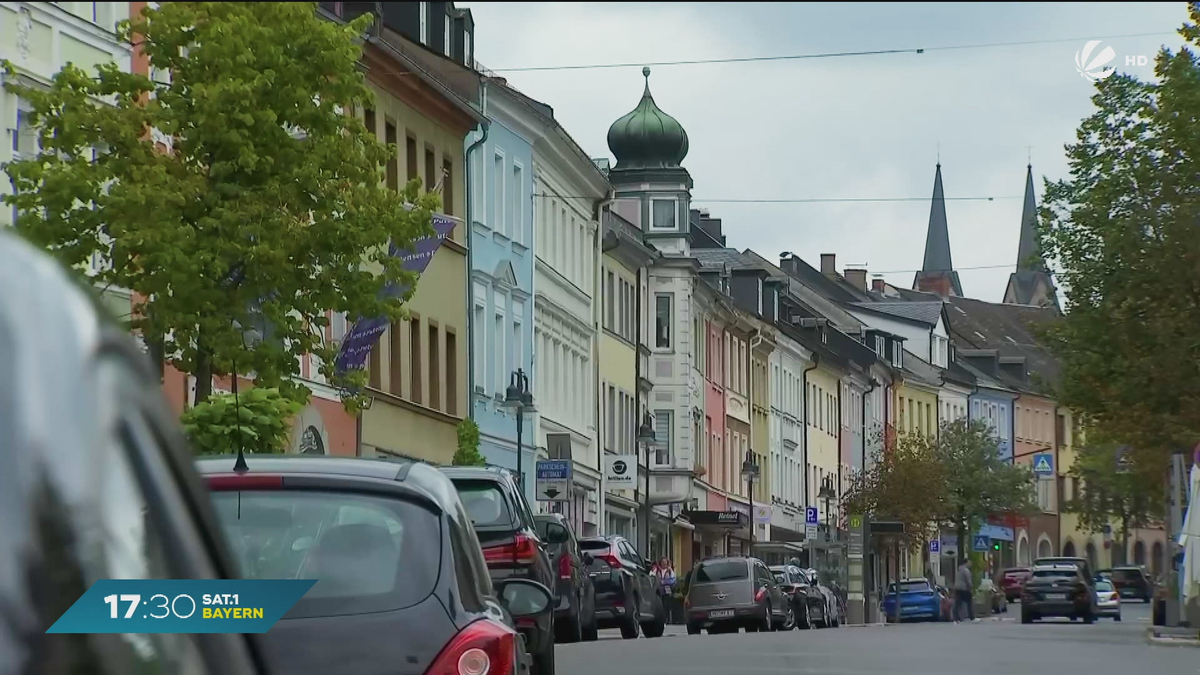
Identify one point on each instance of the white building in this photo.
(788, 362)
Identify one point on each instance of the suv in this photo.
(575, 596)
(727, 593)
(1011, 581)
(1132, 582)
(627, 595)
(1059, 589)
(511, 544)
(400, 575)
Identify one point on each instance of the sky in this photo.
(847, 127)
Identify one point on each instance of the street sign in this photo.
(553, 480)
(980, 543)
(935, 546)
(620, 471)
(855, 522)
(810, 532)
(1043, 465)
(854, 540)
(762, 513)
(811, 515)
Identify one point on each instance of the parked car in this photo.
(1011, 581)
(1132, 582)
(808, 602)
(401, 579)
(728, 593)
(833, 615)
(575, 594)
(512, 547)
(1059, 589)
(626, 593)
(917, 598)
(1108, 601)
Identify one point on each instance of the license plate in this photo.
(1056, 596)
(720, 614)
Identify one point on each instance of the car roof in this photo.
(913, 580)
(1062, 565)
(557, 517)
(496, 473)
(416, 476)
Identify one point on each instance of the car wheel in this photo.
(657, 627)
(1117, 617)
(570, 630)
(693, 629)
(1026, 617)
(630, 625)
(544, 663)
(806, 621)
(789, 618)
(767, 623)
(1089, 618)
(591, 632)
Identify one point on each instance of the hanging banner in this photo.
(362, 336)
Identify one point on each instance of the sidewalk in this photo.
(1173, 637)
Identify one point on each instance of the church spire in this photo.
(937, 264)
(1030, 284)
(1028, 257)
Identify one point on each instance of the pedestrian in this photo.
(666, 576)
(962, 591)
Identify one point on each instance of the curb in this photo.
(1153, 639)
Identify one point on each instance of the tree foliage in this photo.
(257, 420)
(1122, 232)
(467, 453)
(266, 210)
(1106, 493)
(954, 480)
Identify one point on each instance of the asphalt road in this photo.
(998, 645)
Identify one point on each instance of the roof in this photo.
(921, 370)
(928, 313)
(1009, 330)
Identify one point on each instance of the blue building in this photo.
(502, 258)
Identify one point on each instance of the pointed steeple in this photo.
(1028, 257)
(937, 263)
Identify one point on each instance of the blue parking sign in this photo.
(810, 515)
(935, 546)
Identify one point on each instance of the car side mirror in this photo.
(302, 544)
(523, 598)
(557, 534)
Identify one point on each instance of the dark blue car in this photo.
(918, 600)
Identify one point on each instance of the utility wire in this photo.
(831, 55)
(811, 200)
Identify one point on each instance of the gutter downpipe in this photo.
(816, 361)
(754, 342)
(597, 311)
(868, 564)
(471, 253)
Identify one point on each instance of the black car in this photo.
(575, 595)
(96, 482)
(402, 586)
(808, 602)
(627, 595)
(511, 545)
(833, 605)
(1131, 582)
(1061, 589)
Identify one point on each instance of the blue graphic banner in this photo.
(362, 336)
(182, 606)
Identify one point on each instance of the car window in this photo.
(1127, 575)
(721, 570)
(485, 503)
(1060, 574)
(910, 587)
(781, 578)
(1103, 586)
(367, 553)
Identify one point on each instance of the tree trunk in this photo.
(157, 349)
(960, 527)
(1122, 559)
(203, 372)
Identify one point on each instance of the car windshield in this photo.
(910, 586)
(485, 503)
(1016, 573)
(367, 553)
(1127, 575)
(721, 570)
(1104, 586)
(1055, 574)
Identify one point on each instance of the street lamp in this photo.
(519, 399)
(750, 472)
(645, 438)
(826, 495)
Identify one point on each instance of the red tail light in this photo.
(762, 593)
(521, 550)
(611, 559)
(243, 481)
(482, 648)
(564, 566)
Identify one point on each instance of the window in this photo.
(898, 348)
(435, 368)
(431, 181)
(451, 372)
(393, 162)
(610, 300)
(446, 38)
(414, 361)
(424, 23)
(879, 345)
(662, 436)
(396, 352)
(410, 159)
(24, 136)
(610, 418)
(662, 214)
(467, 51)
(662, 321)
(447, 187)
(498, 352)
(518, 204)
(499, 215)
(518, 336)
(479, 315)
(374, 368)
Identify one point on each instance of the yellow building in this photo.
(822, 433)
(916, 398)
(418, 369)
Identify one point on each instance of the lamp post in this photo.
(826, 495)
(519, 399)
(750, 472)
(645, 438)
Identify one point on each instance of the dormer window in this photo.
(879, 345)
(467, 51)
(760, 304)
(662, 214)
(424, 23)
(898, 353)
(446, 38)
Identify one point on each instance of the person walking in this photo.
(962, 591)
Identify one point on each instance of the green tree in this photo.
(467, 453)
(976, 481)
(1108, 491)
(1121, 230)
(904, 484)
(266, 211)
(256, 421)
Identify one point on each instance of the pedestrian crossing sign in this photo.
(980, 542)
(1043, 464)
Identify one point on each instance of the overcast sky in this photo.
(851, 127)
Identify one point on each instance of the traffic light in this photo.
(995, 546)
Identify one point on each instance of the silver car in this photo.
(727, 593)
(1108, 602)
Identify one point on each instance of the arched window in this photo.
(311, 443)
(1069, 549)
(1139, 553)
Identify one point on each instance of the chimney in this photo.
(857, 277)
(787, 263)
(935, 284)
(879, 285)
(828, 264)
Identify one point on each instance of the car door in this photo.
(765, 580)
(642, 579)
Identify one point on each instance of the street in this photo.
(998, 645)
